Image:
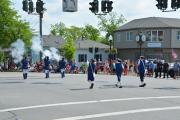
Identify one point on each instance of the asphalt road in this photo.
(38, 98)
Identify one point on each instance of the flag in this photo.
(174, 55)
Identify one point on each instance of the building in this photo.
(48, 42)
(88, 49)
(85, 49)
(162, 38)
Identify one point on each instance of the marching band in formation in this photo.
(143, 68)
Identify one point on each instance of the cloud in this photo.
(131, 9)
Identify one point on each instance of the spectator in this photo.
(165, 69)
(176, 68)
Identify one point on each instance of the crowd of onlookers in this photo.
(154, 68)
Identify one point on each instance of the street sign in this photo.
(70, 5)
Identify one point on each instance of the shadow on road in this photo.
(45, 83)
(10, 82)
(167, 88)
(113, 86)
(79, 89)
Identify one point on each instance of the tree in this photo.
(59, 29)
(74, 32)
(88, 32)
(69, 49)
(11, 27)
(91, 33)
(110, 23)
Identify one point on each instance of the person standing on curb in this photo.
(119, 69)
(176, 68)
(91, 73)
(25, 63)
(141, 70)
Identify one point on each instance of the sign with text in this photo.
(154, 45)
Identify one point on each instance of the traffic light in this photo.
(94, 6)
(178, 4)
(159, 4)
(31, 6)
(39, 6)
(109, 6)
(173, 4)
(162, 4)
(25, 5)
(103, 6)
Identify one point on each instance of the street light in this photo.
(140, 39)
(110, 44)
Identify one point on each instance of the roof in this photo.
(57, 42)
(53, 41)
(89, 43)
(152, 22)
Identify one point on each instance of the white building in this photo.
(85, 49)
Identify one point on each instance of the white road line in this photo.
(120, 113)
(86, 102)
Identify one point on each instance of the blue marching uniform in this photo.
(119, 70)
(91, 74)
(141, 70)
(91, 70)
(46, 66)
(25, 67)
(62, 67)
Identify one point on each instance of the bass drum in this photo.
(171, 73)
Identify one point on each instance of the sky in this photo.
(130, 9)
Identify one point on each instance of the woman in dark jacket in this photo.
(91, 73)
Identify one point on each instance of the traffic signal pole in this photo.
(29, 8)
(40, 33)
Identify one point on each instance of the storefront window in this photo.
(160, 35)
(155, 36)
(148, 36)
(178, 35)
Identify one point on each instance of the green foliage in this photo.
(2, 56)
(91, 33)
(11, 27)
(74, 32)
(113, 50)
(83, 67)
(106, 24)
(110, 23)
(104, 40)
(69, 49)
(59, 29)
(87, 33)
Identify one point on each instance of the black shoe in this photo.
(120, 86)
(142, 85)
(91, 87)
